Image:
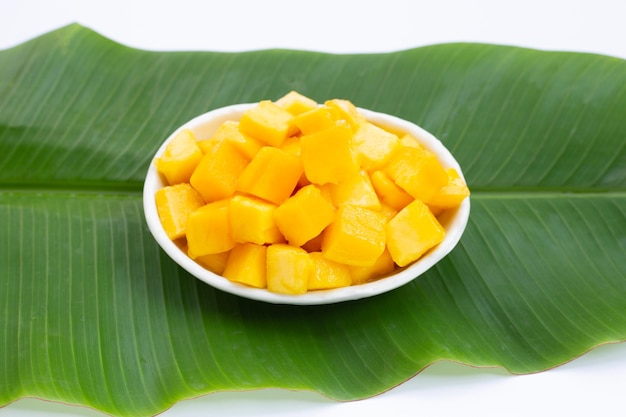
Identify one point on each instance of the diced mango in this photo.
(247, 265)
(208, 229)
(272, 175)
(410, 141)
(374, 145)
(417, 171)
(216, 175)
(356, 190)
(347, 111)
(252, 220)
(317, 119)
(327, 155)
(174, 203)
(388, 192)
(207, 145)
(412, 232)
(356, 237)
(180, 158)
(295, 103)
(214, 262)
(304, 215)
(292, 145)
(452, 194)
(288, 269)
(247, 145)
(297, 196)
(268, 123)
(387, 212)
(327, 274)
(363, 274)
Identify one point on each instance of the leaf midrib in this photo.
(135, 189)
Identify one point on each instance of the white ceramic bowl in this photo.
(203, 126)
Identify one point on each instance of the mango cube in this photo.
(417, 171)
(374, 145)
(247, 145)
(326, 274)
(268, 123)
(316, 119)
(304, 215)
(412, 232)
(387, 212)
(410, 141)
(216, 175)
(180, 158)
(208, 230)
(452, 194)
(347, 111)
(291, 145)
(214, 262)
(271, 175)
(327, 155)
(174, 203)
(356, 237)
(356, 190)
(247, 265)
(252, 220)
(207, 145)
(363, 274)
(295, 103)
(288, 269)
(389, 192)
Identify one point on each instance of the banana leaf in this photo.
(93, 313)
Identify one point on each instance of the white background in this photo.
(594, 384)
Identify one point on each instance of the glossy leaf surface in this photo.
(92, 312)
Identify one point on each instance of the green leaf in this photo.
(92, 312)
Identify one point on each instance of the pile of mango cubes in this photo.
(297, 196)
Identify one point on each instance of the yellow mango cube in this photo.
(374, 145)
(327, 155)
(247, 145)
(288, 269)
(207, 145)
(271, 175)
(387, 212)
(363, 274)
(295, 103)
(252, 220)
(417, 171)
(410, 141)
(412, 232)
(452, 194)
(267, 122)
(292, 145)
(215, 177)
(180, 158)
(356, 190)
(314, 120)
(388, 192)
(326, 274)
(304, 215)
(356, 236)
(247, 265)
(208, 230)
(347, 111)
(174, 203)
(214, 262)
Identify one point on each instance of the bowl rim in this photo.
(204, 124)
